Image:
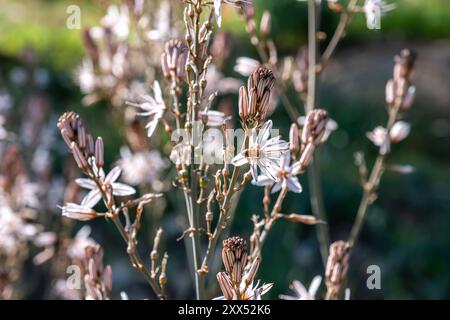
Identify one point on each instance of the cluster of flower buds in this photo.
(85, 151)
(399, 97)
(399, 91)
(254, 100)
(98, 279)
(173, 60)
(236, 283)
(316, 129)
(336, 269)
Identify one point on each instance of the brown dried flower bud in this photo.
(404, 64)
(336, 269)
(68, 124)
(78, 156)
(90, 145)
(234, 256)
(250, 276)
(266, 23)
(315, 127)
(294, 138)
(225, 285)
(99, 152)
(173, 59)
(107, 278)
(254, 100)
(307, 155)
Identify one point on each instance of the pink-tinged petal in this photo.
(239, 160)
(277, 187)
(121, 189)
(91, 199)
(263, 181)
(293, 184)
(86, 183)
(113, 175)
(268, 168)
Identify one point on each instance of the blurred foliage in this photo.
(407, 231)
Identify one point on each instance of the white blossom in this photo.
(245, 66)
(379, 137)
(262, 152)
(141, 167)
(78, 212)
(153, 107)
(301, 293)
(285, 176)
(94, 196)
(373, 10)
(117, 19)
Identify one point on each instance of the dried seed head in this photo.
(234, 256)
(315, 127)
(336, 269)
(173, 61)
(254, 103)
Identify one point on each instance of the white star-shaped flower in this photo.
(94, 196)
(262, 153)
(153, 107)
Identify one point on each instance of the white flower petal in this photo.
(86, 183)
(113, 175)
(121, 189)
(293, 184)
(239, 160)
(91, 199)
(314, 286)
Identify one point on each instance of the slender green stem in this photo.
(371, 186)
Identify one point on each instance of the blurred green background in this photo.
(408, 229)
